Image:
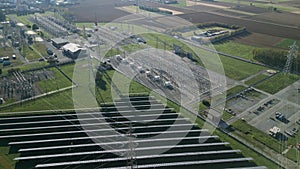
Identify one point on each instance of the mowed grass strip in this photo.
(278, 82)
(256, 79)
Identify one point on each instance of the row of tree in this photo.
(275, 57)
(2, 16)
(152, 9)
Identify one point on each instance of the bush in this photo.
(206, 103)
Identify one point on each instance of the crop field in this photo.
(258, 40)
(252, 26)
(93, 10)
(279, 18)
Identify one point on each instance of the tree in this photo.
(206, 103)
(2, 16)
(35, 27)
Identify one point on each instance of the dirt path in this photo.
(192, 3)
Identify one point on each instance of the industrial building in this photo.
(72, 50)
(59, 42)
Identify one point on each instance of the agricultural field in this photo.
(252, 26)
(258, 40)
(93, 10)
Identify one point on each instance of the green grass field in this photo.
(235, 90)
(34, 52)
(237, 49)
(256, 79)
(286, 43)
(254, 135)
(59, 81)
(278, 82)
(239, 70)
(24, 67)
(6, 160)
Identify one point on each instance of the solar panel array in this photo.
(62, 140)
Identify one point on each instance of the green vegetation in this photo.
(286, 43)
(133, 47)
(24, 67)
(154, 9)
(275, 57)
(278, 82)
(8, 51)
(34, 52)
(68, 70)
(239, 70)
(233, 68)
(261, 139)
(62, 100)
(256, 79)
(181, 3)
(161, 41)
(113, 52)
(235, 90)
(6, 159)
(237, 49)
(23, 19)
(247, 152)
(226, 116)
(105, 89)
(58, 81)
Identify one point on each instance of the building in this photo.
(274, 131)
(72, 50)
(59, 42)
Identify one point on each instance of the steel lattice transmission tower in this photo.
(131, 154)
(290, 58)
